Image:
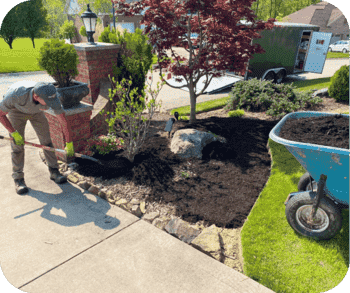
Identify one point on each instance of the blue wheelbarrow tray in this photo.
(319, 159)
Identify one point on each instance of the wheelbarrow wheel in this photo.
(304, 183)
(327, 222)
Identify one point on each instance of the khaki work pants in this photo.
(41, 127)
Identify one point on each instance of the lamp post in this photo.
(89, 19)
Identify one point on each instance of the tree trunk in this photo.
(10, 42)
(193, 105)
(33, 43)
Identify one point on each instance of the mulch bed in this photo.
(222, 187)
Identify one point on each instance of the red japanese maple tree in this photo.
(224, 41)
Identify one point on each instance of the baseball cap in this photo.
(48, 93)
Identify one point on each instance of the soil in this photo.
(221, 188)
(327, 131)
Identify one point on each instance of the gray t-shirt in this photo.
(20, 96)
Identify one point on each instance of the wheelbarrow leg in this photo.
(319, 195)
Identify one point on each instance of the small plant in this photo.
(339, 87)
(60, 60)
(183, 118)
(213, 133)
(276, 99)
(236, 113)
(127, 119)
(103, 145)
(185, 174)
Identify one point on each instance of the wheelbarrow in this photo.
(315, 210)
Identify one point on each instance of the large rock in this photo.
(188, 143)
(209, 242)
(182, 230)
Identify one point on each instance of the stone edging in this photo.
(221, 244)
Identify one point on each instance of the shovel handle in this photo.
(45, 147)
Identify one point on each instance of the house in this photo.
(328, 17)
(128, 22)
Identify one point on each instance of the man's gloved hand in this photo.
(69, 149)
(17, 138)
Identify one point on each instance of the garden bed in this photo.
(219, 189)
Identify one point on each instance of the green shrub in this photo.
(82, 31)
(60, 60)
(67, 30)
(276, 99)
(104, 37)
(339, 87)
(134, 60)
(236, 113)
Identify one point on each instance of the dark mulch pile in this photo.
(228, 178)
(327, 131)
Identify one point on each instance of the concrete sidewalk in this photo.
(61, 238)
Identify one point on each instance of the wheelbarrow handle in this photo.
(52, 149)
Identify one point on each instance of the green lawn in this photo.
(22, 58)
(331, 55)
(276, 256)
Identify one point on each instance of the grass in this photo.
(331, 55)
(276, 256)
(22, 58)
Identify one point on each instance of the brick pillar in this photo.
(95, 64)
(79, 119)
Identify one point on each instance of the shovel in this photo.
(57, 150)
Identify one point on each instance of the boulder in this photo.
(182, 230)
(188, 143)
(209, 242)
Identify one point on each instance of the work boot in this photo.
(21, 186)
(56, 176)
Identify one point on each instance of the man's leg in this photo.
(18, 120)
(42, 129)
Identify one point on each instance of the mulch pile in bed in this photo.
(228, 179)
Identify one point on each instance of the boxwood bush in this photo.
(60, 61)
(265, 96)
(339, 87)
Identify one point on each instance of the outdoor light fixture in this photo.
(169, 126)
(89, 19)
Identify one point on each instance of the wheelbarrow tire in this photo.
(304, 182)
(301, 204)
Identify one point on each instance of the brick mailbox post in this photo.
(95, 64)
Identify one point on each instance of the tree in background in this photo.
(67, 31)
(223, 41)
(96, 6)
(55, 17)
(12, 25)
(265, 9)
(34, 19)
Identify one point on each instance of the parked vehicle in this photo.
(340, 46)
(290, 49)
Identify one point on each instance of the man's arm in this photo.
(65, 127)
(4, 121)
